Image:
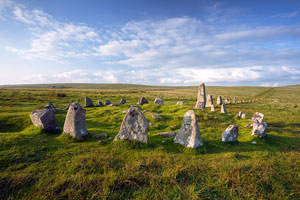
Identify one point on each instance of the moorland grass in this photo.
(39, 165)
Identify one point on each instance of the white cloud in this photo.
(290, 70)
(4, 4)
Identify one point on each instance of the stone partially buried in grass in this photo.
(189, 133)
(230, 134)
(179, 103)
(75, 121)
(134, 126)
(158, 100)
(44, 119)
(142, 101)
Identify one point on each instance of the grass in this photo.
(39, 165)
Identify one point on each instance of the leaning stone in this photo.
(219, 100)
(179, 103)
(230, 134)
(243, 116)
(168, 134)
(123, 101)
(212, 108)
(99, 104)
(158, 100)
(142, 101)
(258, 117)
(223, 109)
(88, 102)
(201, 98)
(209, 100)
(259, 129)
(189, 133)
(50, 106)
(75, 121)
(44, 119)
(134, 126)
(107, 102)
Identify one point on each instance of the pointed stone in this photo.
(230, 134)
(134, 126)
(142, 101)
(258, 117)
(219, 100)
(50, 106)
(44, 119)
(179, 103)
(88, 102)
(223, 109)
(75, 121)
(209, 100)
(212, 108)
(189, 133)
(123, 101)
(158, 100)
(201, 98)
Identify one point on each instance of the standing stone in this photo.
(209, 100)
(123, 101)
(75, 121)
(99, 104)
(68, 106)
(227, 101)
(239, 115)
(223, 109)
(179, 103)
(259, 129)
(219, 100)
(189, 133)
(88, 102)
(212, 108)
(201, 98)
(243, 116)
(50, 106)
(134, 126)
(234, 100)
(230, 134)
(258, 117)
(44, 119)
(158, 100)
(142, 101)
(107, 102)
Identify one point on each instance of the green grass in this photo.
(39, 165)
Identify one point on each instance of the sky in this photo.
(151, 42)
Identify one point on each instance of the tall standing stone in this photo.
(219, 100)
(142, 101)
(212, 108)
(209, 100)
(158, 100)
(134, 126)
(230, 134)
(75, 121)
(223, 109)
(201, 98)
(123, 101)
(44, 119)
(189, 133)
(88, 102)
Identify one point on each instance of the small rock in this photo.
(212, 108)
(179, 103)
(253, 142)
(142, 101)
(243, 116)
(157, 116)
(99, 104)
(107, 102)
(114, 104)
(168, 134)
(100, 142)
(124, 111)
(109, 138)
(158, 100)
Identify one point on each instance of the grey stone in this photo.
(75, 121)
(230, 134)
(234, 100)
(50, 106)
(179, 103)
(44, 119)
(243, 116)
(113, 104)
(209, 100)
(223, 109)
(258, 117)
(259, 129)
(189, 133)
(201, 97)
(142, 101)
(134, 126)
(107, 102)
(253, 142)
(212, 108)
(219, 100)
(88, 102)
(68, 106)
(227, 101)
(123, 101)
(99, 104)
(124, 111)
(157, 116)
(239, 115)
(168, 134)
(158, 100)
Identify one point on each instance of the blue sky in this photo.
(154, 42)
